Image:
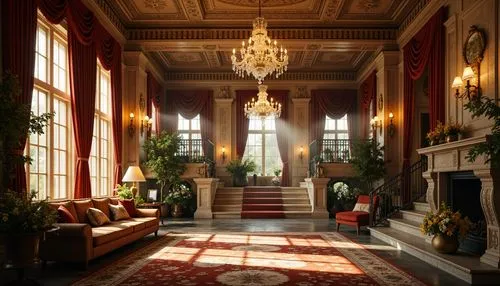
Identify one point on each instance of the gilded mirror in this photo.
(474, 46)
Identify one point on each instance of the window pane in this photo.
(41, 53)
(342, 123)
(183, 123)
(269, 124)
(195, 123)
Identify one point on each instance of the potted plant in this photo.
(239, 169)
(328, 155)
(432, 138)
(124, 192)
(340, 197)
(179, 197)
(445, 226)
(276, 181)
(368, 163)
(22, 221)
(161, 158)
(453, 131)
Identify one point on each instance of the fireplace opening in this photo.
(464, 191)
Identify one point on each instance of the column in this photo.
(317, 188)
(223, 137)
(300, 139)
(205, 194)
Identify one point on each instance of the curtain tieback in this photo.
(83, 159)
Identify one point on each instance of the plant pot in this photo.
(240, 181)
(445, 244)
(276, 181)
(21, 249)
(178, 210)
(451, 138)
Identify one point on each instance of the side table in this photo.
(157, 206)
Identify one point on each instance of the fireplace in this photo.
(464, 191)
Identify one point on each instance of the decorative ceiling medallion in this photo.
(157, 5)
(368, 5)
(268, 3)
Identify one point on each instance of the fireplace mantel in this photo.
(451, 157)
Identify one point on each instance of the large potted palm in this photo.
(368, 163)
(239, 170)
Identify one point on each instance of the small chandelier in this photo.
(262, 108)
(261, 57)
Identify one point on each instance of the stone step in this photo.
(297, 207)
(228, 214)
(297, 214)
(463, 266)
(228, 200)
(406, 226)
(411, 215)
(303, 185)
(421, 206)
(226, 208)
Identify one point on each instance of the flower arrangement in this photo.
(445, 222)
(437, 135)
(180, 195)
(24, 215)
(453, 129)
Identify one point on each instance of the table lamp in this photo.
(134, 174)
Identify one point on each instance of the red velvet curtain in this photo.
(153, 95)
(18, 46)
(242, 122)
(283, 131)
(425, 50)
(189, 103)
(82, 67)
(368, 95)
(334, 103)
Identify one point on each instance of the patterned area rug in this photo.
(236, 259)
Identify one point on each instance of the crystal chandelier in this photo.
(262, 108)
(261, 56)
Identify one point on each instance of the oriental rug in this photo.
(303, 259)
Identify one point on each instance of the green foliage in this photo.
(277, 172)
(241, 167)
(487, 107)
(368, 162)
(341, 196)
(180, 194)
(19, 214)
(16, 121)
(162, 160)
(124, 191)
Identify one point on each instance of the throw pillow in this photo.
(103, 205)
(129, 206)
(68, 205)
(118, 212)
(359, 207)
(65, 215)
(97, 217)
(81, 207)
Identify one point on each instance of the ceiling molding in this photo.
(412, 16)
(244, 33)
(231, 76)
(108, 18)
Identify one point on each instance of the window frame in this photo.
(190, 132)
(263, 132)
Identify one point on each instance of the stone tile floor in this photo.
(66, 273)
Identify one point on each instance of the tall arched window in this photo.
(262, 146)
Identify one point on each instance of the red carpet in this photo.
(251, 259)
(262, 202)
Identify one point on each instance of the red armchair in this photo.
(359, 216)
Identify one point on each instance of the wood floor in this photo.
(65, 274)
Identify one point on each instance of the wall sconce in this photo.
(131, 127)
(223, 154)
(301, 153)
(146, 124)
(392, 128)
(376, 123)
(470, 90)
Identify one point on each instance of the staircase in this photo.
(261, 203)
(398, 224)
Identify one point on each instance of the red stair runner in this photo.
(263, 202)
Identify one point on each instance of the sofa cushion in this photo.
(354, 216)
(137, 225)
(118, 212)
(68, 205)
(109, 232)
(102, 205)
(81, 208)
(148, 221)
(65, 215)
(97, 217)
(114, 200)
(129, 206)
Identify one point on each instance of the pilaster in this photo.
(223, 138)
(300, 139)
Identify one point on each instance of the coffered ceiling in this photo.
(320, 35)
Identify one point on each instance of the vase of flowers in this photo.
(453, 131)
(446, 226)
(22, 221)
(436, 136)
(276, 181)
(179, 197)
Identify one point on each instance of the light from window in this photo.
(41, 53)
(190, 131)
(59, 65)
(262, 146)
(38, 151)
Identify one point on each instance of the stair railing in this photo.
(399, 192)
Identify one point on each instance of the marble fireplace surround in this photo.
(451, 157)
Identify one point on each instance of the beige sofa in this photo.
(80, 242)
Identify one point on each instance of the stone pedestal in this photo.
(451, 157)
(317, 188)
(205, 194)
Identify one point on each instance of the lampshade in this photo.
(468, 73)
(457, 82)
(134, 174)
